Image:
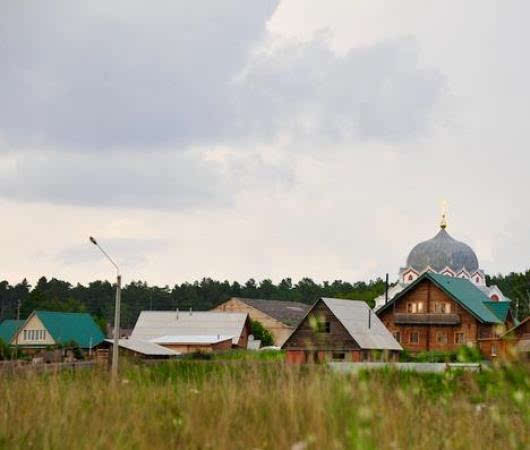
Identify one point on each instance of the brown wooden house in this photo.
(279, 317)
(339, 330)
(438, 312)
(514, 344)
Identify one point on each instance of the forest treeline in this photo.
(97, 298)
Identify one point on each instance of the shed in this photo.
(143, 349)
(153, 325)
(343, 330)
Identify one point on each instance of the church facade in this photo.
(442, 301)
(446, 256)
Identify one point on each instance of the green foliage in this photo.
(462, 354)
(246, 404)
(260, 332)
(74, 347)
(102, 324)
(5, 351)
(97, 298)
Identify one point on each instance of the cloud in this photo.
(374, 92)
(93, 76)
(167, 180)
(116, 105)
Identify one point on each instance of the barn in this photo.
(340, 330)
(278, 316)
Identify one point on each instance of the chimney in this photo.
(386, 288)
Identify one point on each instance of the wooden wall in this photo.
(429, 294)
(307, 337)
(278, 329)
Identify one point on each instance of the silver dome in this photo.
(442, 251)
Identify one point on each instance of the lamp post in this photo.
(115, 346)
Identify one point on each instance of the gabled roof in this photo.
(289, 313)
(8, 328)
(355, 315)
(500, 309)
(155, 324)
(144, 347)
(65, 327)
(465, 293)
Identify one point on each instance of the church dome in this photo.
(443, 251)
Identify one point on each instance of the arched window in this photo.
(410, 277)
(477, 279)
(495, 297)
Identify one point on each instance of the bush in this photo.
(261, 333)
(463, 354)
(5, 351)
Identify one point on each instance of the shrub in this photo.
(261, 333)
(5, 351)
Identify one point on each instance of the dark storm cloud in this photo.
(144, 86)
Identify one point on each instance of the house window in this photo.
(414, 307)
(495, 297)
(477, 279)
(441, 338)
(410, 277)
(448, 308)
(442, 307)
(459, 338)
(324, 327)
(414, 337)
(493, 350)
(397, 336)
(338, 356)
(420, 307)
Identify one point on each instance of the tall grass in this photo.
(265, 405)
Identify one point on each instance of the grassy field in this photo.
(248, 404)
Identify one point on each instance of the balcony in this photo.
(426, 319)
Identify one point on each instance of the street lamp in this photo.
(116, 311)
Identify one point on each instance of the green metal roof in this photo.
(468, 295)
(78, 327)
(461, 290)
(8, 329)
(500, 309)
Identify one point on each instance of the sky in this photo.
(262, 139)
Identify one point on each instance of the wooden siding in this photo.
(279, 330)
(307, 337)
(33, 324)
(204, 348)
(433, 336)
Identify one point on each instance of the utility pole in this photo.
(116, 344)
